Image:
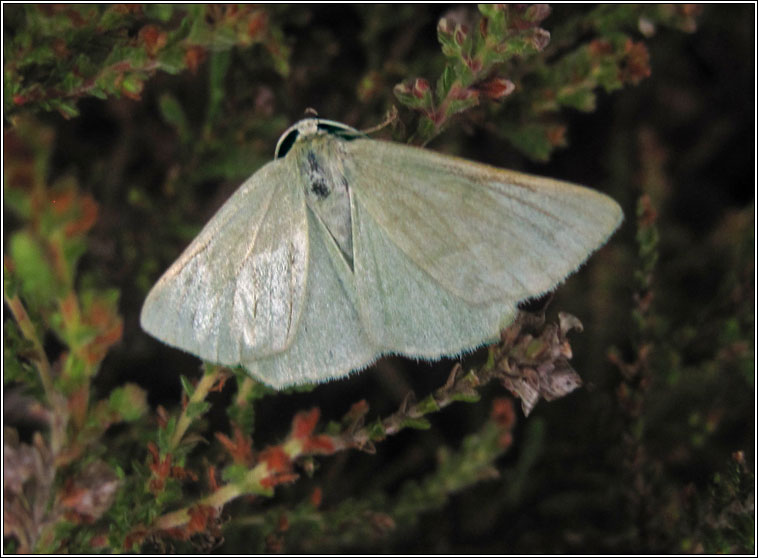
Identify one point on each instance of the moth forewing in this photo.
(403, 308)
(331, 340)
(237, 291)
(483, 233)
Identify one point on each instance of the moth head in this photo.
(308, 128)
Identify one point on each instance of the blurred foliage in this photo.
(126, 126)
(59, 53)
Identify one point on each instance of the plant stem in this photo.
(201, 391)
(28, 331)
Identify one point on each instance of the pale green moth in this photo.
(345, 248)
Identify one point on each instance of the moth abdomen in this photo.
(316, 177)
(327, 194)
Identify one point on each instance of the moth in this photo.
(344, 248)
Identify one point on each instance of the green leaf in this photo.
(171, 60)
(531, 139)
(446, 37)
(445, 82)
(376, 431)
(165, 435)
(582, 99)
(197, 408)
(173, 113)
(133, 84)
(161, 12)
(234, 473)
(496, 20)
(128, 401)
(467, 397)
(427, 405)
(417, 423)
(14, 368)
(218, 66)
(187, 386)
(460, 105)
(37, 279)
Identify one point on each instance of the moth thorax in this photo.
(327, 193)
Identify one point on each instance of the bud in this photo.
(474, 64)
(458, 93)
(445, 27)
(497, 88)
(413, 94)
(637, 62)
(402, 89)
(461, 32)
(445, 33)
(537, 12)
(420, 88)
(540, 39)
(153, 38)
(646, 27)
(483, 25)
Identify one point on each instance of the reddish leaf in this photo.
(193, 57)
(304, 423)
(503, 413)
(556, 135)
(181, 473)
(69, 309)
(212, 481)
(154, 38)
(161, 416)
(200, 516)
(135, 537)
(77, 404)
(505, 440)
(90, 494)
(241, 449)
(62, 202)
(99, 541)
(161, 468)
(316, 497)
(275, 458)
(600, 47)
(637, 62)
(319, 444)
(60, 48)
(86, 220)
(257, 24)
(126, 9)
(273, 480)
(219, 385)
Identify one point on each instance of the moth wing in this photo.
(330, 341)
(403, 308)
(482, 233)
(237, 291)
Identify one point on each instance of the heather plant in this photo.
(126, 126)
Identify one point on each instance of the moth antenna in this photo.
(390, 118)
